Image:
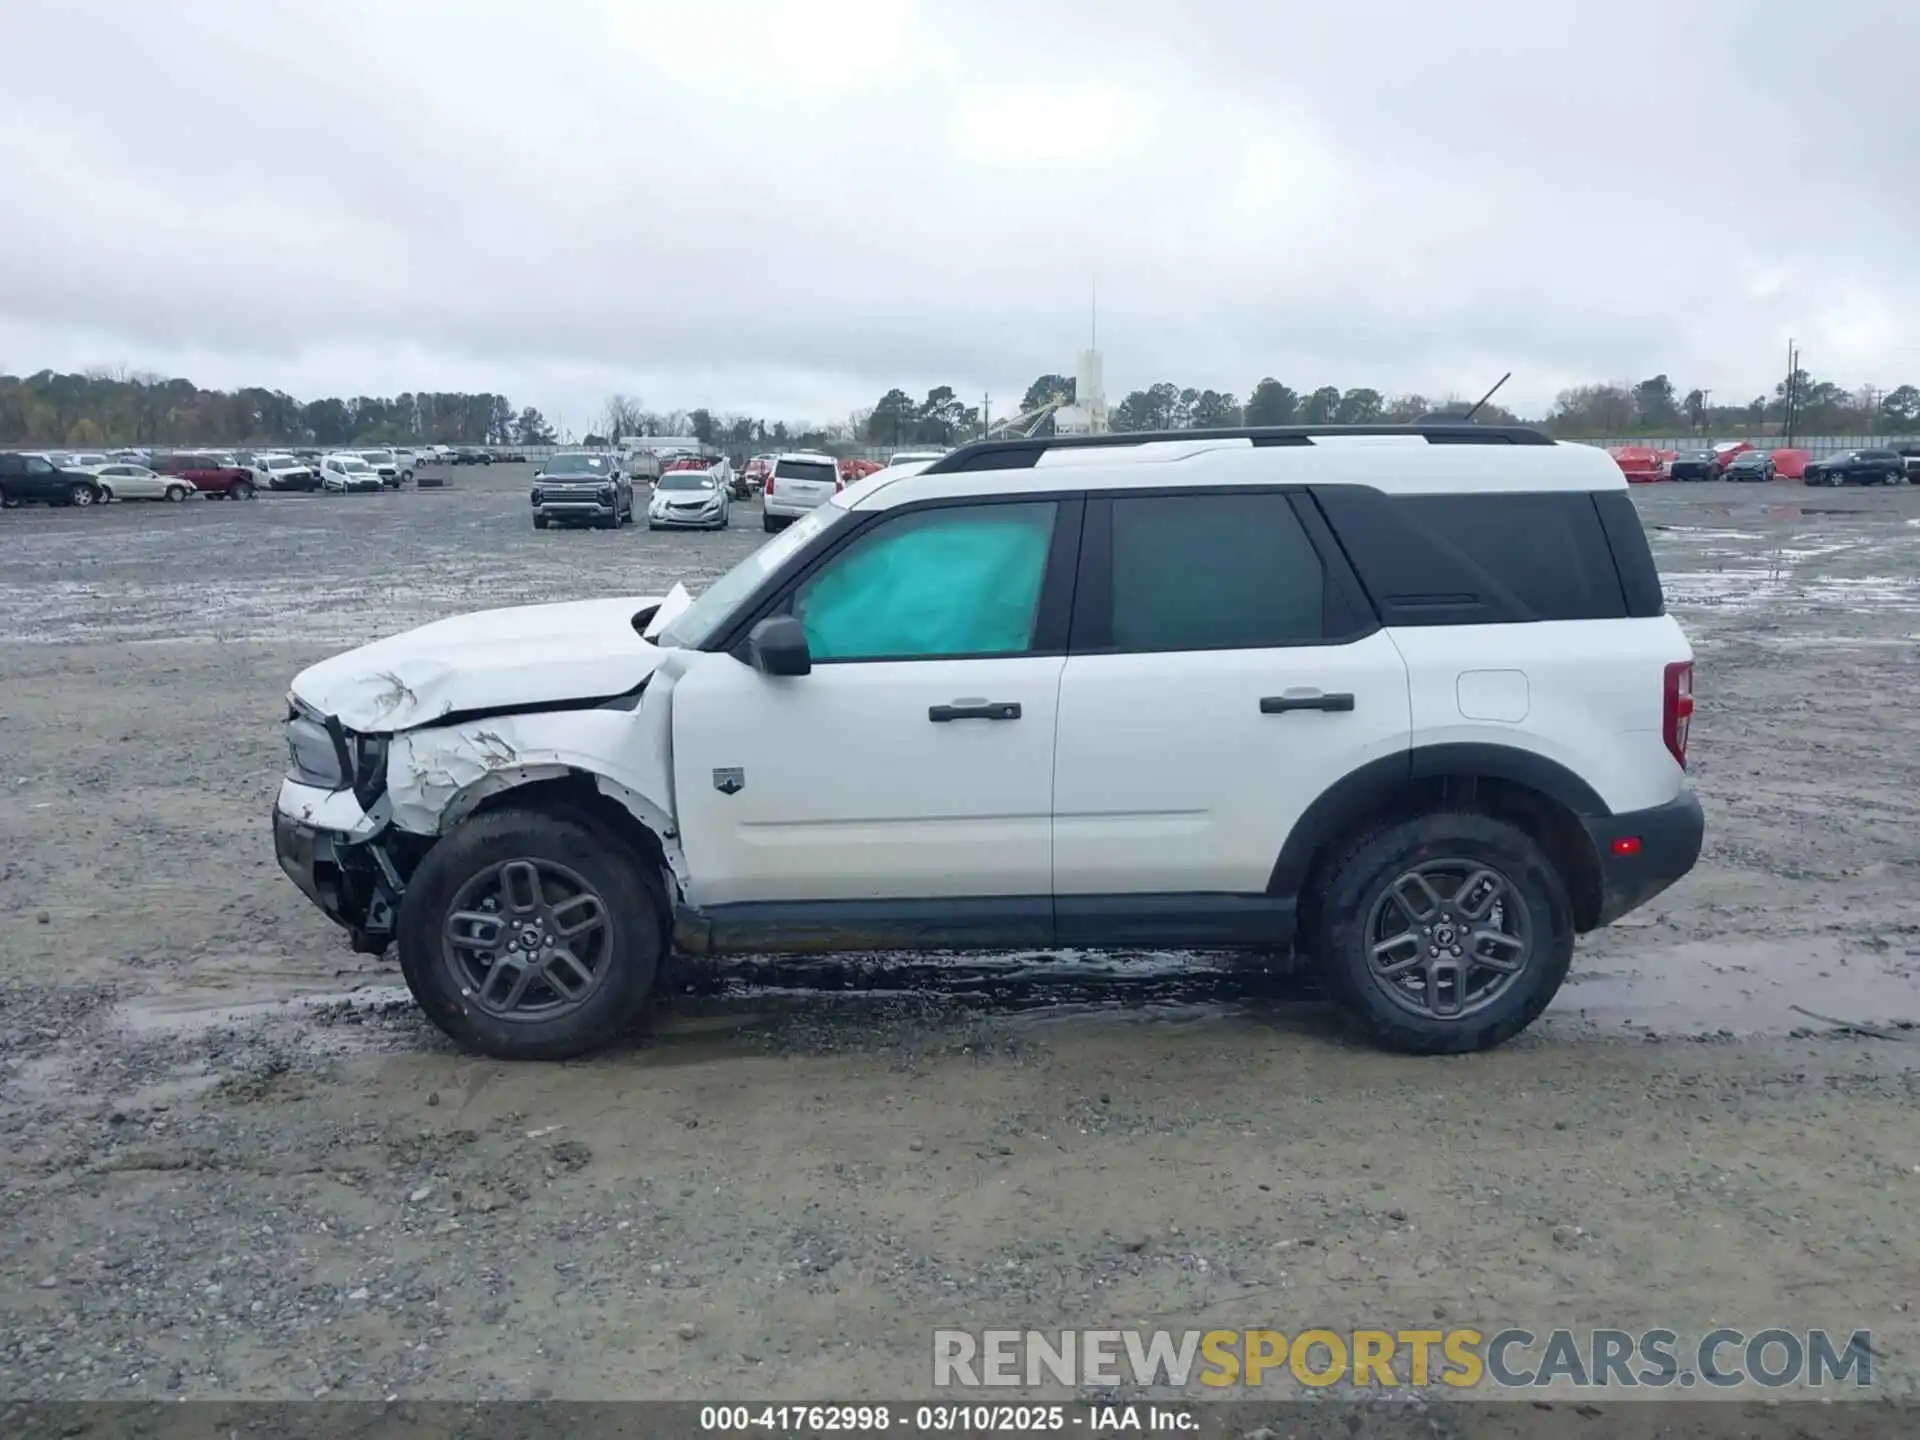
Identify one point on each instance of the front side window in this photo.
(1213, 572)
(959, 581)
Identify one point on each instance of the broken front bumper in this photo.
(335, 853)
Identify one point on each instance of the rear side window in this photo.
(1487, 557)
(818, 470)
(1201, 572)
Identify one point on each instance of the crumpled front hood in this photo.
(491, 659)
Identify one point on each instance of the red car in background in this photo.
(1791, 464)
(759, 468)
(209, 475)
(1640, 463)
(852, 470)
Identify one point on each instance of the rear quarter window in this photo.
(1495, 557)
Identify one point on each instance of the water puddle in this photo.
(1745, 988)
(1696, 989)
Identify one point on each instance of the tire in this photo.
(621, 958)
(1356, 908)
(241, 491)
(81, 495)
(106, 494)
(406, 477)
(176, 493)
(539, 522)
(772, 522)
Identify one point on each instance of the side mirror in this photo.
(539, 474)
(778, 646)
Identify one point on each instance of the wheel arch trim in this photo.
(1373, 788)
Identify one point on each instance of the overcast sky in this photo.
(785, 208)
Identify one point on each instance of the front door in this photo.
(915, 762)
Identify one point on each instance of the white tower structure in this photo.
(1088, 413)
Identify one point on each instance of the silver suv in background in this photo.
(581, 488)
(799, 483)
(384, 464)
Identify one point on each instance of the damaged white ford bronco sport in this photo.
(1403, 703)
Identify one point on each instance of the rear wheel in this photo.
(1444, 934)
(528, 936)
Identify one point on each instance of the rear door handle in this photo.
(974, 710)
(1281, 704)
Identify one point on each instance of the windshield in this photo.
(589, 467)
(356, 467)
(1878, 455)
(685, 480)
(377, 457)
(704, 618)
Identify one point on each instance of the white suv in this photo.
(1402, 702)
(796, 485)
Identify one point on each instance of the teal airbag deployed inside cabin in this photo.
(940, 582)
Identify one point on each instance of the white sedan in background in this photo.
(691, 499)
(124, 480)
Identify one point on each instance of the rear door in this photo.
(1224, 671)
(35, 479)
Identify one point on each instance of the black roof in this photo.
(1021, 454)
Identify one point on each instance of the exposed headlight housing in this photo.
(317, 754)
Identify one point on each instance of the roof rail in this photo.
(1023, 454)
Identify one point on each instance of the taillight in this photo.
(769, 489)
(839, 484)
(1677, 709)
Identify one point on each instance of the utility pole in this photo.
(1793, 374)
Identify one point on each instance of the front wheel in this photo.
(241, 491)
(1445, 934)
(176, 493)
(529, 936)
(81, 495)
(539, 522)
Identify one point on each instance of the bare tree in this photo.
(620, 416)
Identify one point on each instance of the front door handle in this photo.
(1281, 704)
(974, 710)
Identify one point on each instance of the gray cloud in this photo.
(787, 208)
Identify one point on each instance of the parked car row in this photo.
(83, 478)
(1738, 460)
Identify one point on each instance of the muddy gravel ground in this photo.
(236, 1163)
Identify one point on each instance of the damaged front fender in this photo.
(437, 777)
